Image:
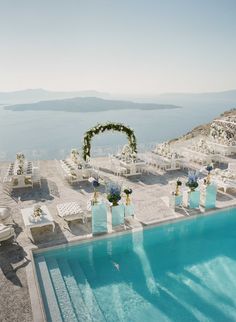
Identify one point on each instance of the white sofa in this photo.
(5, 215)
(6, 232)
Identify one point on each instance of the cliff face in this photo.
(205, 129)
(229, 113)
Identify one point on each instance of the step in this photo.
(74, 291)
(113, 293)
(115, 290)
(63, 297)
(87, 292)
(51, 306)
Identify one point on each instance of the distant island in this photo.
(90, 100)
(87, 104)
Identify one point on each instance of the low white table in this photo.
(133, 167)
(45, 220)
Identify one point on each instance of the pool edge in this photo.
(37, 306)
(36, 300)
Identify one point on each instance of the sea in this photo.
(51, 134)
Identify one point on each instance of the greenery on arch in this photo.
(100, 128)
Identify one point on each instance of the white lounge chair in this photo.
(5, 215)
(225, 179)
(70, 211)
(116, 168)
(232, 167)
(36, 177)
(6, 232)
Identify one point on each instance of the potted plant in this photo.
(178, 184)
(209, 168)
(128, 192)
(95, 184)
(192, 180)
(74, 155)
(20, 157)
(37, 211)
(114, 194)
(73, 175)
(19, 170)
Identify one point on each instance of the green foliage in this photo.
(100, 128)
(192, 184)
(113, 198)
(179, 183)
(128, 191)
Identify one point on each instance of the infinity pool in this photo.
(183, 271)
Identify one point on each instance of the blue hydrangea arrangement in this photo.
(209, 168)
(192, 182)
(113, 193)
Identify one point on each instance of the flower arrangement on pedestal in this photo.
(37, 212)
(72, 172)
(128, 192)
(178, 184)
(113, 193)
(163, 149)
(209, 168)
(20, 157)
(74, 155)
(95, 184)
(128, 154)
(20, 170)
(192, 182)
(28, 180)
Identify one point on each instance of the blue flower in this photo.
(128, 191)
(113, 189)
(95, 183)
(209, 168)
(192, 179)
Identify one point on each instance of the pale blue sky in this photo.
(118, 46)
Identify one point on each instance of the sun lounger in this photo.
(70, 211)
(232, 167)
(225, 183)
(116, 168)
(6, 232)
(99, 218)
(36, 177)
(5, 214)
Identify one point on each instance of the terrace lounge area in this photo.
(149, 197)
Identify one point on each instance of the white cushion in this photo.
(2, 227)
(4, 213)
(70, 209)
(5, 232)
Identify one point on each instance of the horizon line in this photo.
(115, 93)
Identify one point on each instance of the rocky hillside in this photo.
(204, 130)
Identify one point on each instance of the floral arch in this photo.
(100, 128)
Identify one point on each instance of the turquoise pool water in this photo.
(184, 271)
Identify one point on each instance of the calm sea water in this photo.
(179, 272)
(49, 135)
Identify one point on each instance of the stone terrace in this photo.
(148, 190)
